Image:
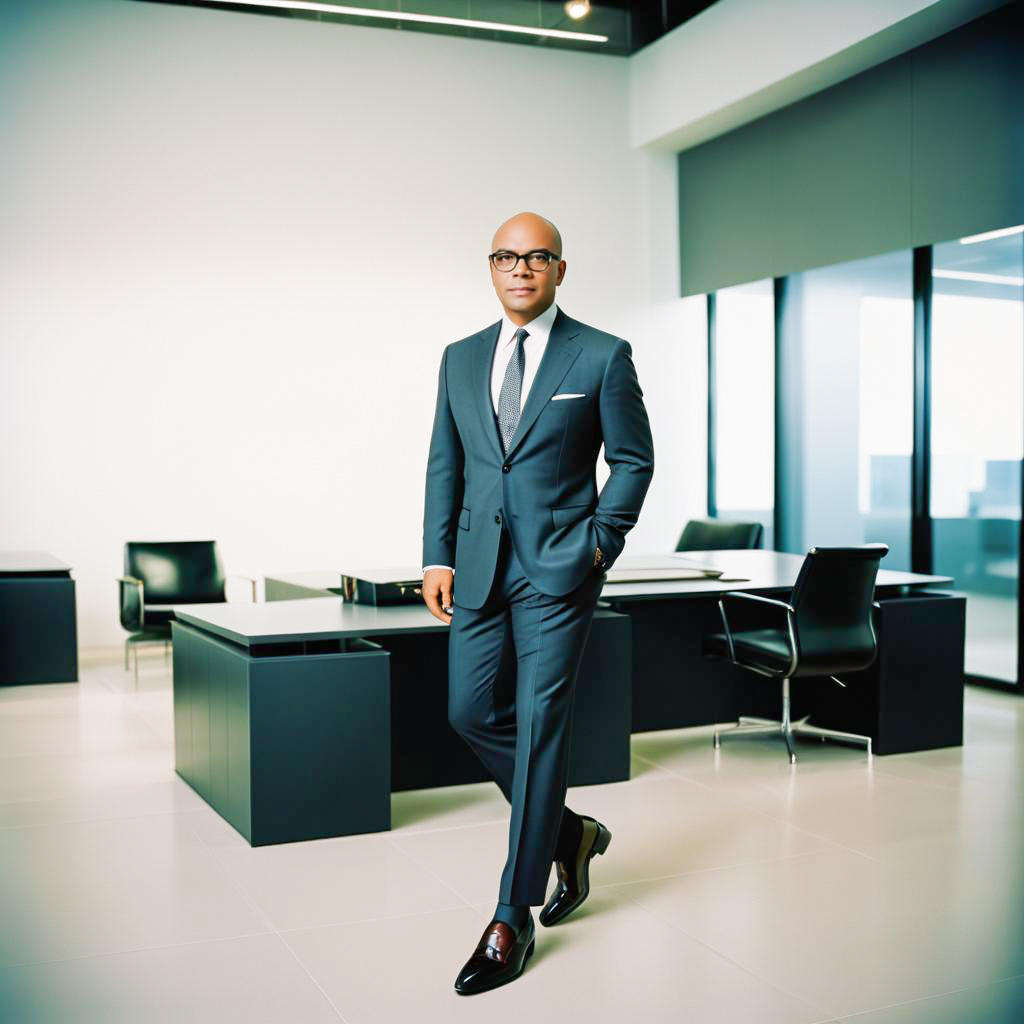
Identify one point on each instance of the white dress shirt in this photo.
(538, 331)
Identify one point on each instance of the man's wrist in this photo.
(448, 567)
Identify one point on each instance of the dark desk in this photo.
(910, 699)
(296, 719)
(38, 638)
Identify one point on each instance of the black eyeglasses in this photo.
(538, 260)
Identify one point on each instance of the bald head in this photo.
(533, 230)
(525, 293)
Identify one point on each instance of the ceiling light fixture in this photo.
(577, 9)
(986, 235)
(428, 19)
(972, 275)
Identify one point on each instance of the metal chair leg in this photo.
(751, 725)
(126, 654)
(743, 729)
(833, 734)
(136, 646)
(788, 737)
(787, 726)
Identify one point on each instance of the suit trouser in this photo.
(511, 682)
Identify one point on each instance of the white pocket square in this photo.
(574, 395)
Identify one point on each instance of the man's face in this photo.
(526, 293)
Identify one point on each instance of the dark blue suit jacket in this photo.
(544, 490)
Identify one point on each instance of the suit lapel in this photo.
(559, 354)
(483, 357)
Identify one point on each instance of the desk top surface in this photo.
(742, 570)
(331, 618)
(310, 618)
(27, 562)
(307, 618)
(753, 570)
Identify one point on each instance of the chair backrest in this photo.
(176, 572)
(832, 598)
(719, 535)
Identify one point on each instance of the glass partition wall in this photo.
(741, 393)
(871, 401)
(977, 439)
(848, 402)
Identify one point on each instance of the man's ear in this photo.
(561, 272)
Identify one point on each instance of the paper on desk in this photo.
(660, 574)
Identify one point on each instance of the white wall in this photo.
(232, 248)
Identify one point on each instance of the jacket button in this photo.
(506, 468)
(497, 519)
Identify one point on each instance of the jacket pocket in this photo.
(464, 519)
(569, 514)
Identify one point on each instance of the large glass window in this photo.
(744, 404)
(850, 340)
(977, 438)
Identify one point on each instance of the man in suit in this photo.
(516, 543)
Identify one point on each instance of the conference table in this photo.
(38, 635)
(296, 718)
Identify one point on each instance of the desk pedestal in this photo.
(912, 697)
(284, 748)
(38, 642)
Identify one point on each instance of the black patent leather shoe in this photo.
(574, 877)
(500, 957)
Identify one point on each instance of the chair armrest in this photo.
(791, 634)
(762, 600)
(132, 618)
(249, 579)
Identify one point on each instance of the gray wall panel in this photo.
(841, 184)
(724, 186)
(968, 93)
(923, 148)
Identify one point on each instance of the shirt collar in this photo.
(539, 328)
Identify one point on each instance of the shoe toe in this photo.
(470, 977)
(558, 907)
(481, 973)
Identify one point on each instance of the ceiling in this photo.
(629, 26)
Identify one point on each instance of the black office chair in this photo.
(828, 630)
(159, 575)
(719, 535)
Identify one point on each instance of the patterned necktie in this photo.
(510, 399)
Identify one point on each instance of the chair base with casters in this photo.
(752, 726)
(825, 627)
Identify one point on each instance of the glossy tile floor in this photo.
(737, 888)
